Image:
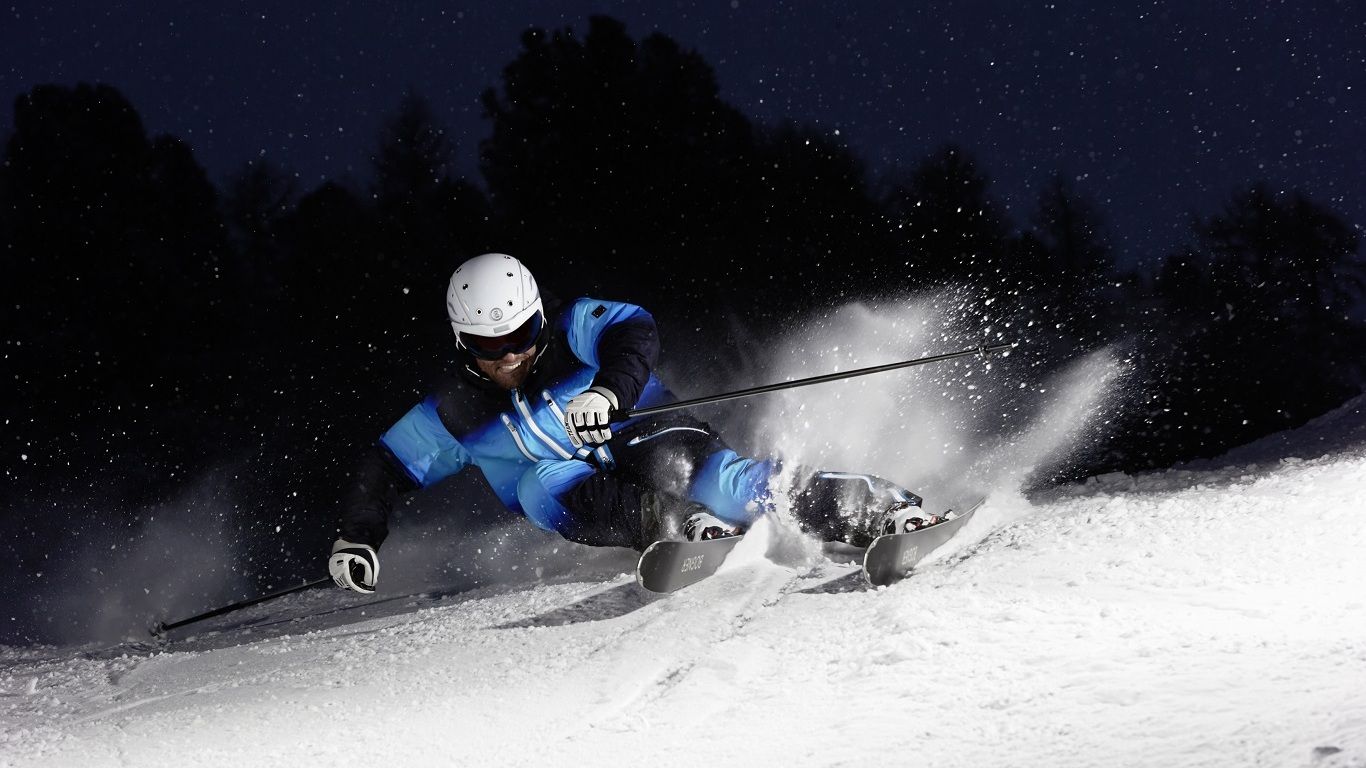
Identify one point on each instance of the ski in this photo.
(890, 558)
(668, 566)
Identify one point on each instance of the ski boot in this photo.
(904, 517)
(666, 517)
(704, 526)
(848, 507)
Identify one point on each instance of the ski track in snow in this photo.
(1196, 617)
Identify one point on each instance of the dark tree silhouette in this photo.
(1257, 313)
(948, 227)
(256, 199)
(1284, 260)
(814, 234)
(1072, 283)
(413, 161)
(429, 220)
(613, 164)
(115, 260)
(331, 280)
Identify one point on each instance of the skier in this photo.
(531, 408)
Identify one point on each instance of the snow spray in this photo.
(949, 431)
(112, 580)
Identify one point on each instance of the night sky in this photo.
(1156, 109)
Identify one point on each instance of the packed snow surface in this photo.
(1210, 617)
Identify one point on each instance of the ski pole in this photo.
(632, 413)
(160, 628)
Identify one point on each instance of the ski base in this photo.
(890, 558)
(668, 566)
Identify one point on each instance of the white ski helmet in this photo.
(494, 306)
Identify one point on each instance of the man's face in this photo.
(510, 370)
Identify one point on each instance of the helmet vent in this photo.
(491, 290)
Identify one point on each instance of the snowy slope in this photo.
(1212, 617)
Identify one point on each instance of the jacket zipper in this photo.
(516, 436)
(554, 407)
(525, 411)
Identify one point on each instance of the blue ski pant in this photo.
(602, 507)
(587, 503)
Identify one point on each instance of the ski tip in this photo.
(640, 579)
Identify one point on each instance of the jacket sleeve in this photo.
(619, 340)
(417, 452)
(376, 485)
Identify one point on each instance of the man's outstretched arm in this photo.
(416, 452)
(376, 485)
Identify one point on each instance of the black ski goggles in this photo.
(513, 342)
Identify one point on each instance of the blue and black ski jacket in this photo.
(473, 422)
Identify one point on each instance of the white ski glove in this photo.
(354, 566)
(585, 417)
